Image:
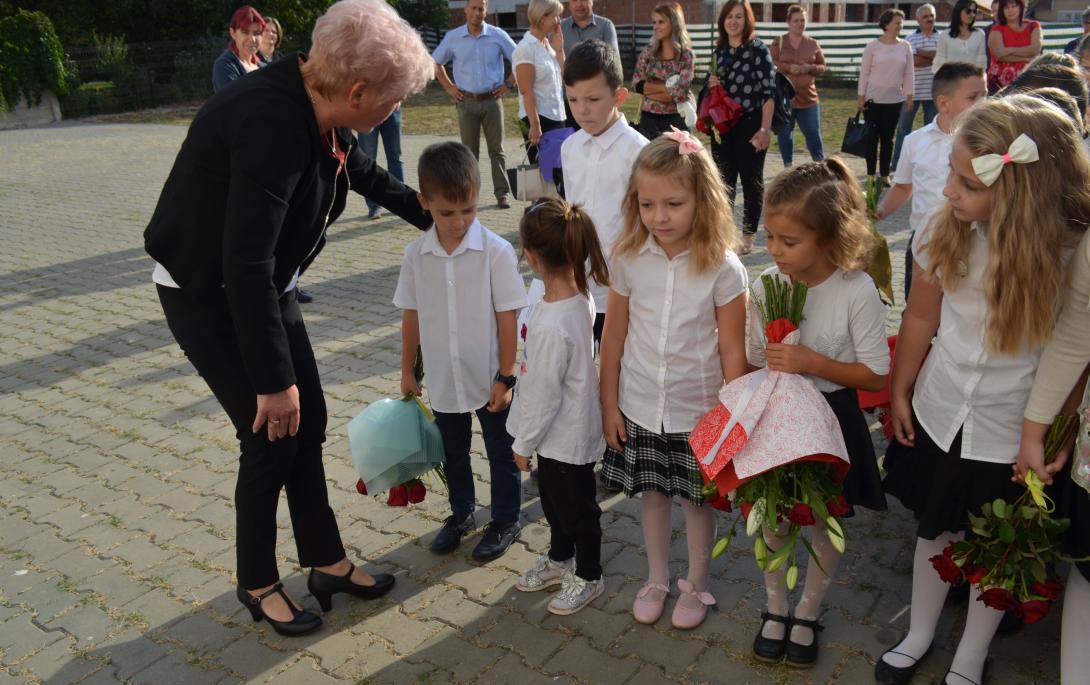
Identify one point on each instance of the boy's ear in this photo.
(620, 96)
(422, 200)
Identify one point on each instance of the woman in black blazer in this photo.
(237, 222)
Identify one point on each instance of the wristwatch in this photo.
(509, 381)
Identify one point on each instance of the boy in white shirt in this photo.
(597, 159)
(461, 290)
(925, 159)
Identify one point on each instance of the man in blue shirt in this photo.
(1073, 47)
(478, 51)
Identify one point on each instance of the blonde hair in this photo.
(679, 35)
(564, 238)
(714, 231)
(1038, 210)
(366, 40)
(825, 197)
(539, 9)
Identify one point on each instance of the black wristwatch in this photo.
(509, 381)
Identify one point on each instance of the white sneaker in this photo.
(545, 574)
(575, 593)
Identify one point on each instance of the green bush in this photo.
(31, 59)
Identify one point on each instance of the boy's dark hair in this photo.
(951, 74)
(590, 58)
(1055, 75)
(448, 170)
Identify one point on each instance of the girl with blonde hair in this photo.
(674, 333)
(987, 284)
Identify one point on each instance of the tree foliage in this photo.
(433, 13)
(31, 59)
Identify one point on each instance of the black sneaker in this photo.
(497, 538)
(450, 535)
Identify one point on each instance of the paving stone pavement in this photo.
(117, 476)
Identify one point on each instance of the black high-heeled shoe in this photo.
(324, 585)
(803, 656)
(766, 648)
(302, 622)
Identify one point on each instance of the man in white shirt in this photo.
(925, 43)
(461, 290)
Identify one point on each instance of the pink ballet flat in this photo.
(647, 610)
(685, 617)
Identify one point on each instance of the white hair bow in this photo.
(987, 167)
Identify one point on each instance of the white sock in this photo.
(699, 536)
(818, 579)
(776, 583)
(1074, 656)
(656, 537)
(928, 596)
(980, 627)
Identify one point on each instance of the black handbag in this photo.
(855, 136)
(783, 116)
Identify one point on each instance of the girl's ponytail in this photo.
(582, 247)
(563, 237)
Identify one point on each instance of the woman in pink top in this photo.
(1012, 44)
(886, 79)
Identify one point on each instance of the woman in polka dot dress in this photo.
(745, 70)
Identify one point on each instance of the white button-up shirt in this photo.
(596, 171)
(925, 164)
(964, 386)
(670, 369)
(548, 85)
(456, 297)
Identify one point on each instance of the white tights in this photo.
(699, 535)
(818, 577)
(1074, 656)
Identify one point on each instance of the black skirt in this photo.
(940, 488)
(1072, 502)
(863, 484)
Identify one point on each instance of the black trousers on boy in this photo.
(569, 499)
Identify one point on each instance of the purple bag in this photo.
(548, 155)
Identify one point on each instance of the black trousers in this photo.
(735, 156)
(205, 331)
(569, 499)
(653, 125)
(883, 119)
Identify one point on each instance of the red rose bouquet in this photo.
(1014, 547)
(718, 112)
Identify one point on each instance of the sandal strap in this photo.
(275, 589)
(812, 625)
(775, 618)
(908, 656)
(968, 680)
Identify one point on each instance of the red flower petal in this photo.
(398, 496)
(417, 492)
(801, 514)
(360, 487)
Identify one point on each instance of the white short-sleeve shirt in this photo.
(670, 369)
(596, 171)
(925, 164)
(548, 84)
(964, 386)
(843, 319)
(456, 297)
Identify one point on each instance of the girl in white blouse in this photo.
(962, 42)
(988, 278)
(674, 332)
(556, 413)
(818, 234)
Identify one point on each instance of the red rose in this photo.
(523, 332)
(801, 514)
(360, 487)
(416, 492)
(947, 569)
(838, 506)
(746, 506)
(999, 599)
(1050, 589)
(777, 330)
(975, 574)
(720, 502)
(1033, 610)
(398, 496)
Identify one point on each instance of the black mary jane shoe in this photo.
(324, 585)
(765, 648)
(888, 674)
(963, 680)
(803, 656)
(302, 622)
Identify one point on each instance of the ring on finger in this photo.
(274, 421)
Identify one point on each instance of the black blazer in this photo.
(248, 202)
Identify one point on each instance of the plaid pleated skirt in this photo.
(660, 462)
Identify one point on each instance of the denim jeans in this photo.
(809, 121)
(457, 432)
(907, 119)
(390, 130)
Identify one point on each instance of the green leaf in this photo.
(1000, 508)
(720, 547)
(792, 577)
(1006, 532)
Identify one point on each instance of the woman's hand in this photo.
(557, 40)
(761, 140)
(499, 398)
(900, 412)
(789, 358)
(613, 427)
(279, 413)
(522, 462)
(908, 103)
(535, 131)
(409, 386)
(1031, 454)
(713, 81)
(861, 104)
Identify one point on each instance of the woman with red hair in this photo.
(241, 55)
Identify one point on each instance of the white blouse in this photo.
(972, 49)
(670, 369)
(548, 84)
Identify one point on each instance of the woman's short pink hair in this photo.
(366, 40)
(244, 16)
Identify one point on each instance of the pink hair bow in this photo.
(987, 167)
(686, 142)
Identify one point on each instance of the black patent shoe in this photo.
(888, 674)
(497, 538)
(302, 622)
(450, 535)
(303, 297)
(962, 680)
(765, 648)
(324, 585)
(803, 656)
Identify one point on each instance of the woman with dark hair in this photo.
(238, 221)
(799, 57)
(241, 56)
(886, 82)
(744, 68)
(963, 42)
(1014, 41)
(664, 71)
